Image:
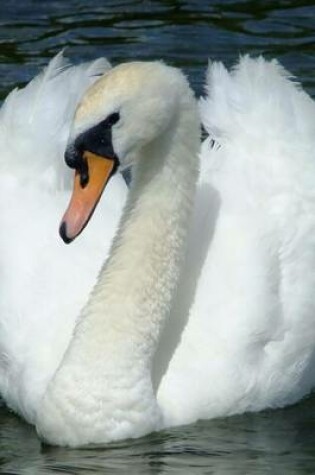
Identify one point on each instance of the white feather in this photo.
(241, 331)
(249, 341)
(43, 283)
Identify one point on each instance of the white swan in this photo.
(241, 332)
(43, 283)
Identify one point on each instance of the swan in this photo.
(247, 342)
(204, 306)
(43, 284)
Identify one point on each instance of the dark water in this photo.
(185, 34)
(276, 442)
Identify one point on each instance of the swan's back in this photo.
(43, 282)
(249, 340)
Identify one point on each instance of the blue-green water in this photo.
(278, 442)
(185, 34)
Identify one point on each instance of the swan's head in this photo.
(128, 108)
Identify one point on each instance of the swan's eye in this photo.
(112, 119)
(97, 139)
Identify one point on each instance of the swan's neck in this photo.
(103, 390)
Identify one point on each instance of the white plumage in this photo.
(249, 343)
(44, 283)
(241, 331)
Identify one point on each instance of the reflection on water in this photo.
(279, 442)
(185, 34)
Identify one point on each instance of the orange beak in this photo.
(85, 198)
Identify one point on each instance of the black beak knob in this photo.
(73, 157)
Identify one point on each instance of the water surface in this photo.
(185, 34)
(279, 442)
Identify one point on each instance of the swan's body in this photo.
(44, 284)
(249, 342)
(241, 331)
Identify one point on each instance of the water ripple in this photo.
(184, 33)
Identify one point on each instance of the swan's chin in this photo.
(87, 191)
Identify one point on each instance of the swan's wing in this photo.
(249, 340)
(35, 120)
(43, 282)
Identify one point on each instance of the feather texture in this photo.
(43, 282)
(241, 331)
